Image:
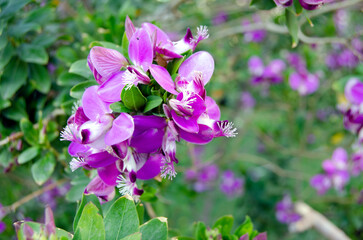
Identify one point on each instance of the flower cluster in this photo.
(285, 212)
(270, 74)
(353, 114)
(336, 173)
(307, 4)
(343, 57)
(50, 197)
(301, 80)
(127, 126)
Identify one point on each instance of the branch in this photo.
(33, 195)
(17, 135)
(311, 218)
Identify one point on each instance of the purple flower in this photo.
(2, 227)
(247, 100)
(231, 186)
(354, 91)
(336, 173)
(285, 212)
(341, 21)
(271, 74)
(311, 4)
(347, 59)
(357, 166)
(255, 35)
(50, 197)
(304, 83)
(284, 3)
(220, 18)
(203, 178)
(297, 62)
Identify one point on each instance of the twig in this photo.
(17, 135)
(312, 218)
(150, 211)
(33, 195)
(245, 157)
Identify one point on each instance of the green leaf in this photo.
(17, 111)
(155, 229)
(224, 224)
(41, 16)
(81, 68)
(69, 79)
(86, 198)
(132, 97)
(5, 55)
(22, 28)
(43, 168)
(173, 66)
(33, 54)
(4, 103)
(245, 227)
(140, 212)
(152, 102)
(66, 54)
(44, 39)
(13, 78)
(40, 78)
(90, 225)
(12, 7)
(121, 219)
(119, 107)
(78, 90)
(125, 46)
(135, 236)
(263, 4)
(28, 154)
(30, 133)
(293, 26)
(298, 7)
(78, 184)
(200, 231)
(5, 158)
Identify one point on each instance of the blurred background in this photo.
(284, 132)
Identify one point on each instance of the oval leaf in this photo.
(132, 97)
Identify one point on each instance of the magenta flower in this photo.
(220, 18)
(284, 3)
(305, 83)
(357, 166)
(271, 74)
(354, 91)
(203, 178)
(336, 173)
(141, 144)
(231, 185)
(285, 212)
(311, 4)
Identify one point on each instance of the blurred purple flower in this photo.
(297, 62)
(357, 166)
(231, 186)
(285, 212)
(50, 197)
(220, 18)
(271, 74)
(247, 100)
(255, 35)
(341, 21)
(204, 178)
(303, 82)
(336, 173)
(2, 227)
